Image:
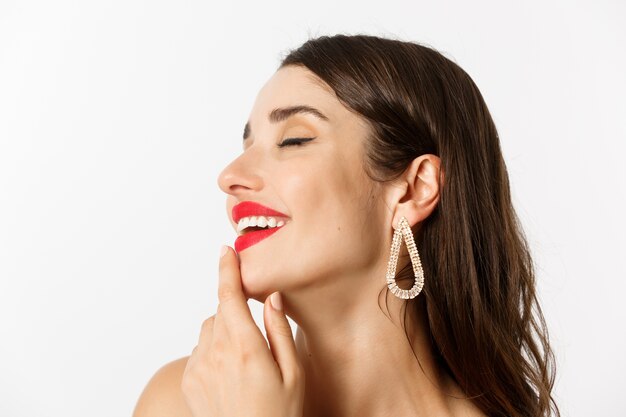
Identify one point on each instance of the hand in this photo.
(232, 372)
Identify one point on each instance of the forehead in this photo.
(291, 86)
(298, 86)
(296, 79)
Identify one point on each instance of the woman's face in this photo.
(336, 223)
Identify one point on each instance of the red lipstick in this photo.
(250, 238)
(250, 208)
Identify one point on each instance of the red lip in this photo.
(245, 241)
(250, 208)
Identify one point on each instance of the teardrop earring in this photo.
(404, 229)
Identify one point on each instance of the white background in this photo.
(116, 118)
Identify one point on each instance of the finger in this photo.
(206, 333)
(280, 337)
(233, 306)
(221, 333)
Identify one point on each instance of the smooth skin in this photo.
(351, 356)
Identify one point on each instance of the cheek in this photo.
(336, 227)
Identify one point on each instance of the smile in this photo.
(247, 223)
(255, 222)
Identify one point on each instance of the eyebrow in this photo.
(283, 113)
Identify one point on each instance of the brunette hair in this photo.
(487, 328)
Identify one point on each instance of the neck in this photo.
(358, 361)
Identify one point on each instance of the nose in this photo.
(240, 176)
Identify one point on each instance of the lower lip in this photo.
(245, 241)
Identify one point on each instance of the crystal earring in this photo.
(404, 229)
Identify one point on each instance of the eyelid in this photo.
(294, 141)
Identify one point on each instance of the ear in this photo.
(416, 192)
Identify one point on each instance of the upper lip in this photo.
(250, 208)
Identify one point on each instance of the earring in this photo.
(404, 229)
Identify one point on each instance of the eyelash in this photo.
(294, 141)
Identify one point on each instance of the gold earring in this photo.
(404, 229)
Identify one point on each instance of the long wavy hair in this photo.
(486, 325)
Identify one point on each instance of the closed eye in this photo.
(294, 141)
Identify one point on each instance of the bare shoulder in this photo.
(162, 396)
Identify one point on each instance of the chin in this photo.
(256, 282)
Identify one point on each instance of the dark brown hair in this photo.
(486, 324)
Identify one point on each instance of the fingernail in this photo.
(276, 301)
(223, 250)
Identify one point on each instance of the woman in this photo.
(356, 148)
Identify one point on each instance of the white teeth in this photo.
(258, 221)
